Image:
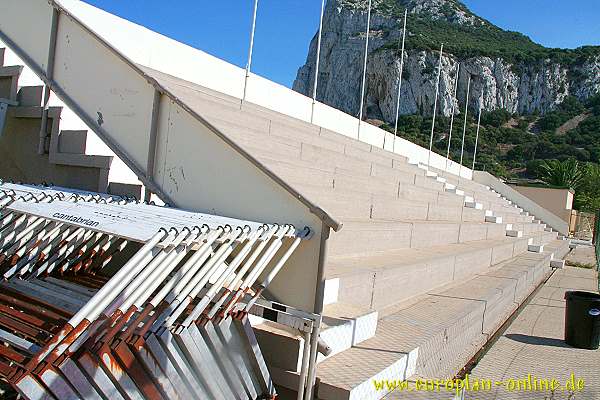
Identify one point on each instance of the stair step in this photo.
(371, 281)
(369, 237)
(9, 82)
(30, 95)
(436, 335)
(72, 142)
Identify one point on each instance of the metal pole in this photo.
(364, 77)
(400, 81)
(312, 112)
(50, 75)
(249, 64)
(452, 116)
(462, 150)
(437, 90)
(477, 137)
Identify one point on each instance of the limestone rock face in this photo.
(495, 83)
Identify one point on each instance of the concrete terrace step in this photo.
(360, 205)
(436, 335)
(369, 237)
(372, 281)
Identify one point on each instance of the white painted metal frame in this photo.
(207, 349)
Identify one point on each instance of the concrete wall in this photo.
(119, 172)
(19, 160)
(557, 201)
(549, 218)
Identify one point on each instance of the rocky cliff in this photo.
(507, 69)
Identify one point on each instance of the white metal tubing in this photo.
(267, 257)
(236, 282)
(5, 201)
(187, 271)
(312, 370)
(293, 246)
(75, 256)
(9, 228)
(272, 274)
(452, 116)
(67, 250)
(48, 242)
(15, 231)
(435, 101)
(477, 137)
(87, 250)
(462, 149)
(105, 254)
(227, 273)
(314, 97)
(197, 283)
(156, 261)
(116, 284)
(27, 264)
(26, 233)
(20, 246)
(400, 81)
(196, 264)
(212, 266)
(251, 49)
(158, 275)
(304, 367)
(175, 295)
(49, 248)
(78, 233)
(260, 265)
(364, 76)
(6, 219)
(160, 261)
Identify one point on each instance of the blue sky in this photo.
(285, 27)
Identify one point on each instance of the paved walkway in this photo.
(533, 344)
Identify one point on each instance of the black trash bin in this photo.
(582, 320)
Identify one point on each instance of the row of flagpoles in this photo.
(398, 84)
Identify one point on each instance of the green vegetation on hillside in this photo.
(481, 38)
(509, 149)
(466, 41)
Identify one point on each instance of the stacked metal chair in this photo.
(88, 314)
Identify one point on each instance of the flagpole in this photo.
(312, 113)
(452, 115)
(462, 150)
(477, 137)
(249, 64)
(364, 77)
(437, 90)
(399, 82)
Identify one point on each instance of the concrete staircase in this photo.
(425, 269)
(65, 162)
